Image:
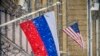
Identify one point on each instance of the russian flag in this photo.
(41, 33)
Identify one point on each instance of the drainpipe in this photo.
(89, 28)
(0, 34)
(97, 37)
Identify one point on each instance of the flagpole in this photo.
(22, 17)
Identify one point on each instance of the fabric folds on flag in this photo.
(74, 32)
(41, 33)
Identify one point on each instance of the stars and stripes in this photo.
(74, 32)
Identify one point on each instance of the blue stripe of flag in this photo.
(46, 35)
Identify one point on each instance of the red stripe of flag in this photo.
(70, 33)
(81, 39)
(74, 35)
(77, 36)
(34, 38)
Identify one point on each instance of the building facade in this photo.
(13, 41)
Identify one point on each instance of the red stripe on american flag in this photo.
(81, 40)
(72, 34)
(68, 33)
(77, 36)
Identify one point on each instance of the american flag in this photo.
(74, 32)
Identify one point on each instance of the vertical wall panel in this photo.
(29, 48)
(64, 25)
(99, 37)
(17, 33)
(24, 41)
(59, 25)
(94, 38)
(3, 21)
(9, 30)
